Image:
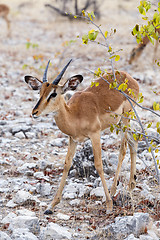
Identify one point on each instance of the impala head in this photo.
(50, 93)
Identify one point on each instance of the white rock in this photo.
(53, 232)
(25, 212)
(23, 234)
(8, 218)
(44, 188)
(70, 191)
(4, 190)
(147, 195)
(63, 216)
(39, 175)
(32, 223)
(124, 226)
(98, 192)
(131, 237)
(147, 237)
(75, 202)
(25, 167)
(152, 234)
(58, 142)
(3, 183)
(22, 196)
(11, 204)
(43, 204)
(20, 135)
(4, 236)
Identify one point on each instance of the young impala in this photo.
(137, 51)
(84, 116)
(4, 11)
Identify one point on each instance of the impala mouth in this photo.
(34, 114)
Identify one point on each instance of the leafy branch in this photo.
(91, 36)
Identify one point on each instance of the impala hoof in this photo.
(48, 212)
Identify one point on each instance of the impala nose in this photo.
(34, 114)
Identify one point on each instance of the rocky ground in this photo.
(33, 150)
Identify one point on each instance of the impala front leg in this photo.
(67, 165)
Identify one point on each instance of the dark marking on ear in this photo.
(75, 81)
(33, 82)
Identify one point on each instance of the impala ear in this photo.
(33, 82)
(72, 83)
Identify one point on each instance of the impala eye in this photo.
(53, 95)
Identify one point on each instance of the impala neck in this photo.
(62, 117)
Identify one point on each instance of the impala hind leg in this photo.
(96, 144)
(67, 165)
(122, 154)
(133, 153)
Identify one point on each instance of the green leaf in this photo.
(135, 136)
(112, 56)
(28, 44)
(136, 29)
(24, 66)
(92, 35)
(151, 28)
(111, 128)
(149, 149)
(106, 34)
(117, 58)
(158, 130)
(110, 49)
(149, 125)
(157, 124)
(94, 84)
(142, 10)
(83, 13)
(92, 14)
(156, 106)
(85, 39)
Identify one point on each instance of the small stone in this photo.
(54, 231)
(32, 223)
(4, 236)
(43, 188)
(98, 192)
(75, 202)
(20, 135)
(22, 197)
(63, 216)
(11, 204)
(25, 212)
(39, 175)
(23, 233)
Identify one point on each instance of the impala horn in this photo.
(58, 78)
(45, 72)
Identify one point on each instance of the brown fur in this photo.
(137, 51)
(86, 114)
(4, 11)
